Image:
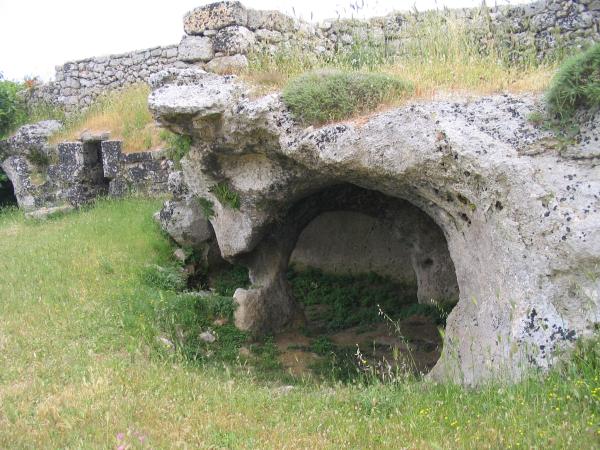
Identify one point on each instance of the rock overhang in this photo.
(520, 218)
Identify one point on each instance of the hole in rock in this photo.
(373, 275)
(7, 192)
(92, 157)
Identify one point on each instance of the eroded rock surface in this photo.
(521, 220)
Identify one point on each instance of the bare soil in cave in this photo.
(408, 346)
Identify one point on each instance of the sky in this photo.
(37, 35)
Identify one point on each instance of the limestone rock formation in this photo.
(521, 220)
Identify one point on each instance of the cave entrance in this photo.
(92, 157)
(7, 191)
(375, 282)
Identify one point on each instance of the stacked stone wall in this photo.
(218, 37)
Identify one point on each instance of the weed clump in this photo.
(576, 85)
(226, 195)
(323, 96)
(177, 145)
(350, 300)
(167, 278)
(226, 282)
(207, 207)
(183, 317)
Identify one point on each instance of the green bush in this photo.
(12, 107)
(576, 85)
(319, 97)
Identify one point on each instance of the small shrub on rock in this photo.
(576, 85)
(177, 145)
(324, 96)
(226, 196)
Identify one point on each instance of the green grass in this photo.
(80, 366)
(226, 196)
(207, 207)
(319, 97)
(358, 299)
(177, 145)
(576, 85)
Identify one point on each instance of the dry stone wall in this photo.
(219, 36)
(48, 178)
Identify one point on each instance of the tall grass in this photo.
(124, 113)
(434, 52)
(576, 85)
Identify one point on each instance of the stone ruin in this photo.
(52, 178)
(472, 200)
(219, 38)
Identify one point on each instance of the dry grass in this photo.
(441, 56)
(124, 113)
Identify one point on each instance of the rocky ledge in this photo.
(519, 213)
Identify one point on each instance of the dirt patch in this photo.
(412, 344)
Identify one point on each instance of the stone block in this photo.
(214, 17)
(234, 40)
(195, 48)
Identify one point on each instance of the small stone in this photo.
(228, 64)
(245, 352)
(165, 342)
(94, 136)
(180, 255)
(284, 390)
(208, 337)
(268, 36)
(195, 48)
(220, 322)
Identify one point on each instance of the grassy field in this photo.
(80, 366)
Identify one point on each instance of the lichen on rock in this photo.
(522, 227)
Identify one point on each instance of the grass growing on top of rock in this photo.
(81, 366)
(446, 57)
(125, 114)
(332, 95)
(576, 85)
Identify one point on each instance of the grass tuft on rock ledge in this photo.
(576, 85)
(332, 95)
(125, 114)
